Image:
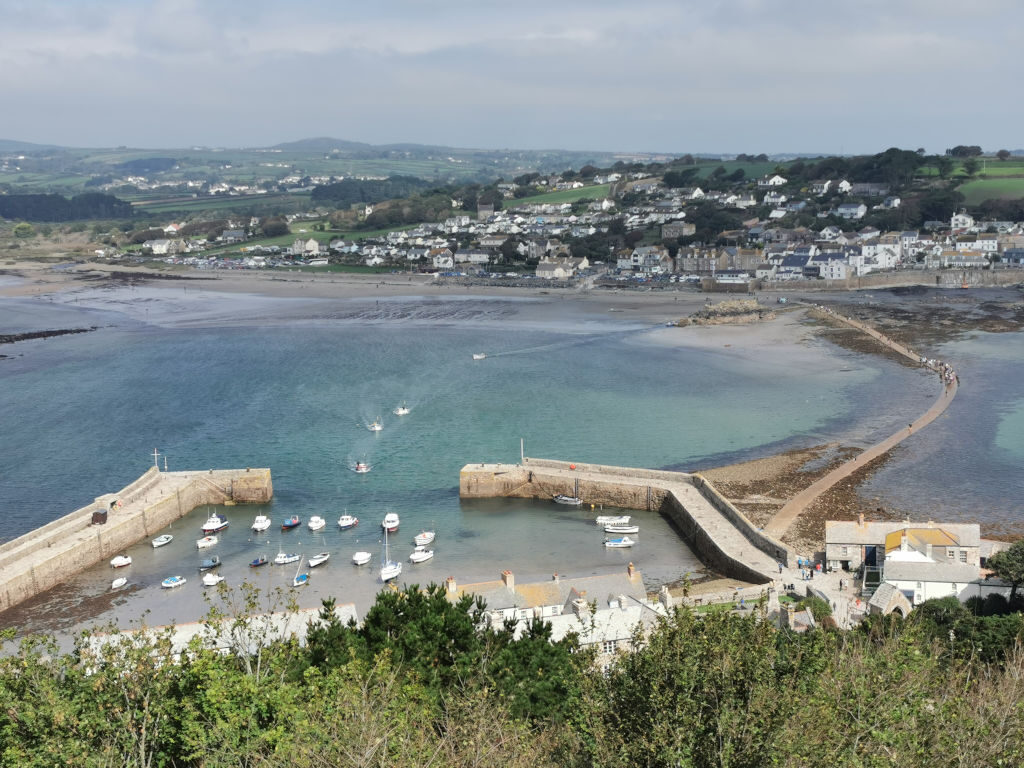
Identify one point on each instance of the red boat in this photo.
(290, 522)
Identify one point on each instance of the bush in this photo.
(820, 609)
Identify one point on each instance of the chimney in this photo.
(450, 584)
(860, 519)
(903, 542)
(622, 602)
(928, 550)
(790, 615)
(630, 571)
(509, 578)
(665, 597)
(554, 577)
(580, 607)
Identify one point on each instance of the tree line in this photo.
(88, 205)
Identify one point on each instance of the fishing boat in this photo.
(284, 558)
(261, 560)
(316, 523)
(120, 561)
(361, 558)
(390, 522)
(612, 520)
(215, 523)
(421, 555)
(622, 529)
(290, 522)
(571, 501)
(479, 355)
(347, 521)
(160, 541)
(206, 542)
(173, 581)
(390, 569)
(620, 543)
(375, 425)
(402, 410)
(300, 579)
(118, 582)
(423, 538)
(210, 563)
(361, 467)
(319, 559)
(212, 579)
(261, 523)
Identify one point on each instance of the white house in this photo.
(771, 181)
(851, 210)
(961, 220)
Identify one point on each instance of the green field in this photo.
(562, 196)
(977, 191)
(210, 203)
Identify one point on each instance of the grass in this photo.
(211, 203)
(597, 192)
(979, 190)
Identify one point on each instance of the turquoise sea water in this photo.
(82, 415)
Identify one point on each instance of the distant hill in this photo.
(11, 145)
(320, 144)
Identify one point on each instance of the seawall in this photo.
(721, 536)
(43, 558)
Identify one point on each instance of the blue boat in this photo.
(210, 563)
(172, 581)
(290, 522)
(261, 560)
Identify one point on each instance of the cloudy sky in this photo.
(638, 75)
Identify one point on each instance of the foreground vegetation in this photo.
(419, 683)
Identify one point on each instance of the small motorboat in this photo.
(612, 520)
(620, 543)
(423, 538)
(284, 559)
(347, 521)
(316, 523)
(210, 563)
(160, 541)
(206, 542)
(261, 523)
(479, 355)
(572, 501)
(212, 579)
(421, 555)
(120, 561)
(215, 523)
(319, 559)
(375, 426)
(173, 581)
(290, 522)
(390, 522)
(361, 558)
(402, 410)
(622, 528)
(118, 582)
(261, 560)
(361, 467)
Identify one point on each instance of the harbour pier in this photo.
(49, 555)
(721, 536)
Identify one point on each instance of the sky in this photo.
(716, 76)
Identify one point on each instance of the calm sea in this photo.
(82, 415)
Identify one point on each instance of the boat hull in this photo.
(569, 501)
(162, 541)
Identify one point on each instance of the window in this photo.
(963, 555)
(845, 551)
(609, 646)
(949, 553)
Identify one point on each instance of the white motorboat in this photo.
(284, 558)
(319, 559)
(361, 468)
(612, 520)
(215, 523)
(375, 426)
(423, 538)
(479, 355)
(173, 581)
(620, 543)
(120, 561)
(361, 558)
(347, 521)
(316, 523)
(261, 523)
(572, 501)
(212, 579)
(118, 582)
(622, 529)
(421, 555)
(206, 542)
(390, 522)
(402, 410)
(160, 541)
(390, 569)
